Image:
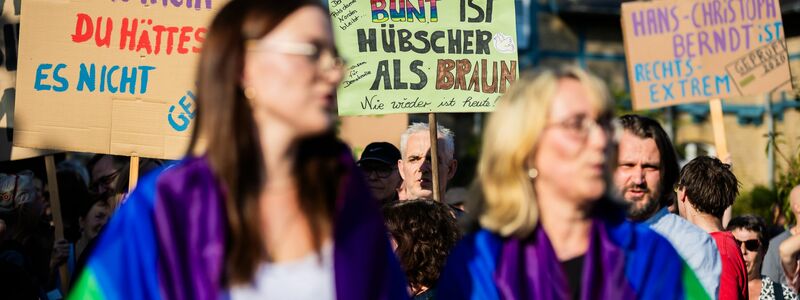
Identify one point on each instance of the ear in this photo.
(244, 79)
(451, 170)
(400, 169)
(681, 196)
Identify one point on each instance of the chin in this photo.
(423, 194)
(315, 127)
(594, 191)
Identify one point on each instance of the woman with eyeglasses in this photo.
(268, 204)
(749, 231)
(547, 226)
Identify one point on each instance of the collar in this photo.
(659, 214)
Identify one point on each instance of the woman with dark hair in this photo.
(268, 203)
(422, 233)
(749, 232)
(546, 224)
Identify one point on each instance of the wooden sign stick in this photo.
(434, 133)
(55, 209)
(717, 122)
(133, 176)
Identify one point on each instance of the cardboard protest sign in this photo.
(110, 77)
(9, 42)
(689, 51)
(359, 131)
(422, 56)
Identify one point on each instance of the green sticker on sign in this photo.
(424, 56)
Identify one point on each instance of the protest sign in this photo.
(111, 77)
(9, 42)
(359, 131)
(690, 51)
(424, 56)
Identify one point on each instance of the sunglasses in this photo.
(750, 245)
(381, 171)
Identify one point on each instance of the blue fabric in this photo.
(470, 268)
(652, 266)
(694, 245)
(136, 253)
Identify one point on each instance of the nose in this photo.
(371, 174)
(598, 137)
(334, 75)
(637, 175)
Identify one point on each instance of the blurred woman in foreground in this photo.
(546, 227)
(274, 207)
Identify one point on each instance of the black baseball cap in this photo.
(382, 152)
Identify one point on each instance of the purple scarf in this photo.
(191, 222)
(530, 269)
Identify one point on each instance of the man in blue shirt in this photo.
(647, 170)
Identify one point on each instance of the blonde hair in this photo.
(507, 200)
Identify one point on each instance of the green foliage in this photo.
(758, 201)
(789, 176)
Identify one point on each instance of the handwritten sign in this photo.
(109, 76)
(424, 56)
(689, 51)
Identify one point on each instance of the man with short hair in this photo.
(706, 187)
(379, 164)
(415, 163)
(647, 169)
(772, 261)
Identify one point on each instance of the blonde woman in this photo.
(546, 227)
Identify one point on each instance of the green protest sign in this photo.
(422, 56)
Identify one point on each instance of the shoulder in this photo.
(779, 238)
(480, 247)
(725, 241)
(634, 237)
(470, 267)
(187, 171)
(652, 265)
(685, 236)
(186, 183)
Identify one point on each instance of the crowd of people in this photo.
(30, 255)
(569, 200)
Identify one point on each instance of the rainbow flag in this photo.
(168, 241)
(624, 261)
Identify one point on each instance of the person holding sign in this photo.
(274, 206)
(547, 225)
(416, 165)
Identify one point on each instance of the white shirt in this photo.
(306, 278)
(694, 245)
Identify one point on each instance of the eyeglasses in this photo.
(380, 171)
(751, 245)
(581, 126)
(325, 58)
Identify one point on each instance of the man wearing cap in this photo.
(379, 164)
